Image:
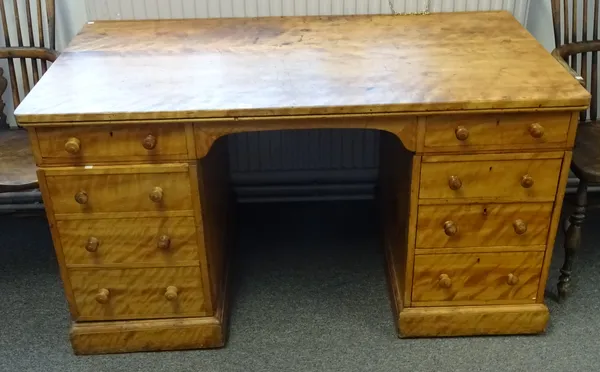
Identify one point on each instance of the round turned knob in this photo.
(536, 130)
(156, 194)
(73, 145)
(450, 228)
(149, 142)
(445, 281)
(526, 181)
(454, 182)
(461, 133)
(92, 244)
(81, 197)
(164, 242)
(520, 227)
(171, 293)
(512, 279)
(102, 296)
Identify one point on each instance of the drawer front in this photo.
(496, 131)
(105, 294)
(107, 189)
(474, 225)
(161, 241)
(527, 180)
(77, 144)
(477, 277)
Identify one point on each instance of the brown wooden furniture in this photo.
(17, 168)
(577, 49)
(477, 123)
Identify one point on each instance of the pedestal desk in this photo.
(129, 130)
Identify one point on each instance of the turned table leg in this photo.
(572, 240)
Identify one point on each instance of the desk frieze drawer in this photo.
(521, 177)
(483, 225)
(113, 294)
(476, 278)
(88, 144)
(159, 241)
(153, 189)
(497, 132)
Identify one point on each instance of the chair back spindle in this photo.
(39, 34)
(574, 21)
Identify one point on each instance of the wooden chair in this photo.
(17, 168)
(577, 50)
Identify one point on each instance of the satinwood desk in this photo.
(129, 127)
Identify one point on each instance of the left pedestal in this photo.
(140, 239)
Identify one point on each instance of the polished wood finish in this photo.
(158, 241)
(496, 132)
(508, 180)
(469, 320)
(105, 189)
(469, 176)
(476, 278)
(367, 82)
(482, 225)
(137, 293)
(142, 143)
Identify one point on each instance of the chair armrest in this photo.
(29, 52)
(556, 54)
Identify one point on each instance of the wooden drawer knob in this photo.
(536, 130)
(164, 242)
(520, 227)
(81, 197)
(92, 244)
(454, 182)
(73, 145)
(156, 194)
(512, 279)
(102, 296)
(149, 142)
(171, 293)
(526, 181)
(461, 133)
(445, 281)
(450, 228)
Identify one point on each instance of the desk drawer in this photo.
(81, 144)
(464, 177)
(474, 225)
(476, 278)
(162, 241)
(493, 132)
(106, 294)
(150, 188)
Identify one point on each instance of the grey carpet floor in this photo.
(308, 294)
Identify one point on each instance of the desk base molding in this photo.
(473, 320)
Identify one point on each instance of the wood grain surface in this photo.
(478, 277)
(497, 132)
(113, 143)
(473, 320)
(129, 241)
(297, 66)
(17, 167)
(498, 179)
(110, 190)
(138, 293)
(147, 335)
(483, 225)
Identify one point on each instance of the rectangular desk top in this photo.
(214, 68)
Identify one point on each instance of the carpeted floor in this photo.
(309, 294)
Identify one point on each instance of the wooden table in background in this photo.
(129, 128)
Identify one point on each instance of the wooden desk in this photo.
(129, 130)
